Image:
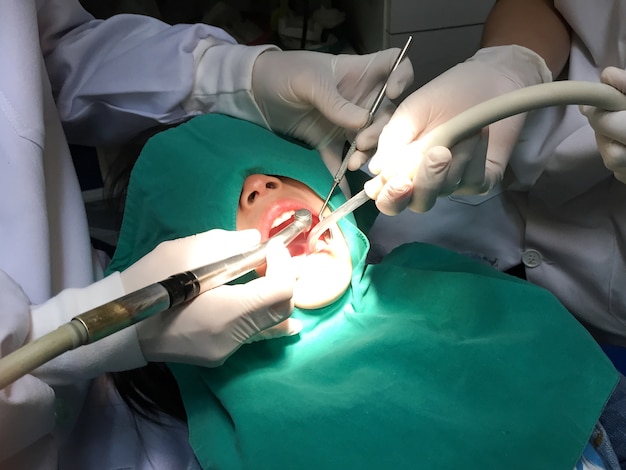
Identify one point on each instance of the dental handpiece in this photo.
(132, 308)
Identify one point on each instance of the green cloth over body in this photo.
(430, 359)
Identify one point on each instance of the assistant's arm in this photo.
(525, 43)
(534, 24)
(114, 78)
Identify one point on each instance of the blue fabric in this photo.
(617, 354)
(613, 419)
(591, 460)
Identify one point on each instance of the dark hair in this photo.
(149, 391)
(152, 389)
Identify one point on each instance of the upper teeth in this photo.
(282, 218)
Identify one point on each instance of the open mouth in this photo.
(299, 245)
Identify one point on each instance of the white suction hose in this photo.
(474, 119)
(523, 100)
(21, 361)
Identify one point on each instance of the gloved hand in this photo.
(409, 175)
(207, 330)
(610, 127)
(315, 96)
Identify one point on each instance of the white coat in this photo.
(567, 221)
(62, 73)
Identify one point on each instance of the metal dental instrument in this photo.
(349, 206)
(472, 120)
(377, 102)
(125, 311)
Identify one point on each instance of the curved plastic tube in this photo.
(523, 100)
(21, 361)
(472, 120)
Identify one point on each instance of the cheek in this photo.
(247, 219)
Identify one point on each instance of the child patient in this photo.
(425, 360)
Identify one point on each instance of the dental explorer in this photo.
(377, 102)
(472, 120)
(132, 308)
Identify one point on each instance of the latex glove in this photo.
(610, 127)
(207, 330)
(316, 96)
(409, 175)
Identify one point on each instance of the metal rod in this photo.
(377, 102)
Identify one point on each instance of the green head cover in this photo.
(191, 176)
(430, 360)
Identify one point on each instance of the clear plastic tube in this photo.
(349, 206)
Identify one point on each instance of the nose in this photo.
(256, 187)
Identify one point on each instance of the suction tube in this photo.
(472, 120)
(523, 100)
(125, 311)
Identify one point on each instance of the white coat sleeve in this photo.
(27, 406)
(114, 78)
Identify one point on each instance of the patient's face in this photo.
(265, 203)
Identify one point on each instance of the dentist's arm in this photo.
(525, 42)
(534, 24)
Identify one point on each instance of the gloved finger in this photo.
(338, 110)
(430, 177)
(402, 128)
(610, 124)
(280, 275)
(395, 195)
(358, 159)
(461, 156)
(182, 254)
(266, 301)
(288, 327)
(399, 169)
(472, 181)
(202, 247)
(260, 305)
(377, 69)
(348, 115)
(614, 156)
(365, 145)
(615, 77)
(401, 78)
(420, 193)
(367, 138)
